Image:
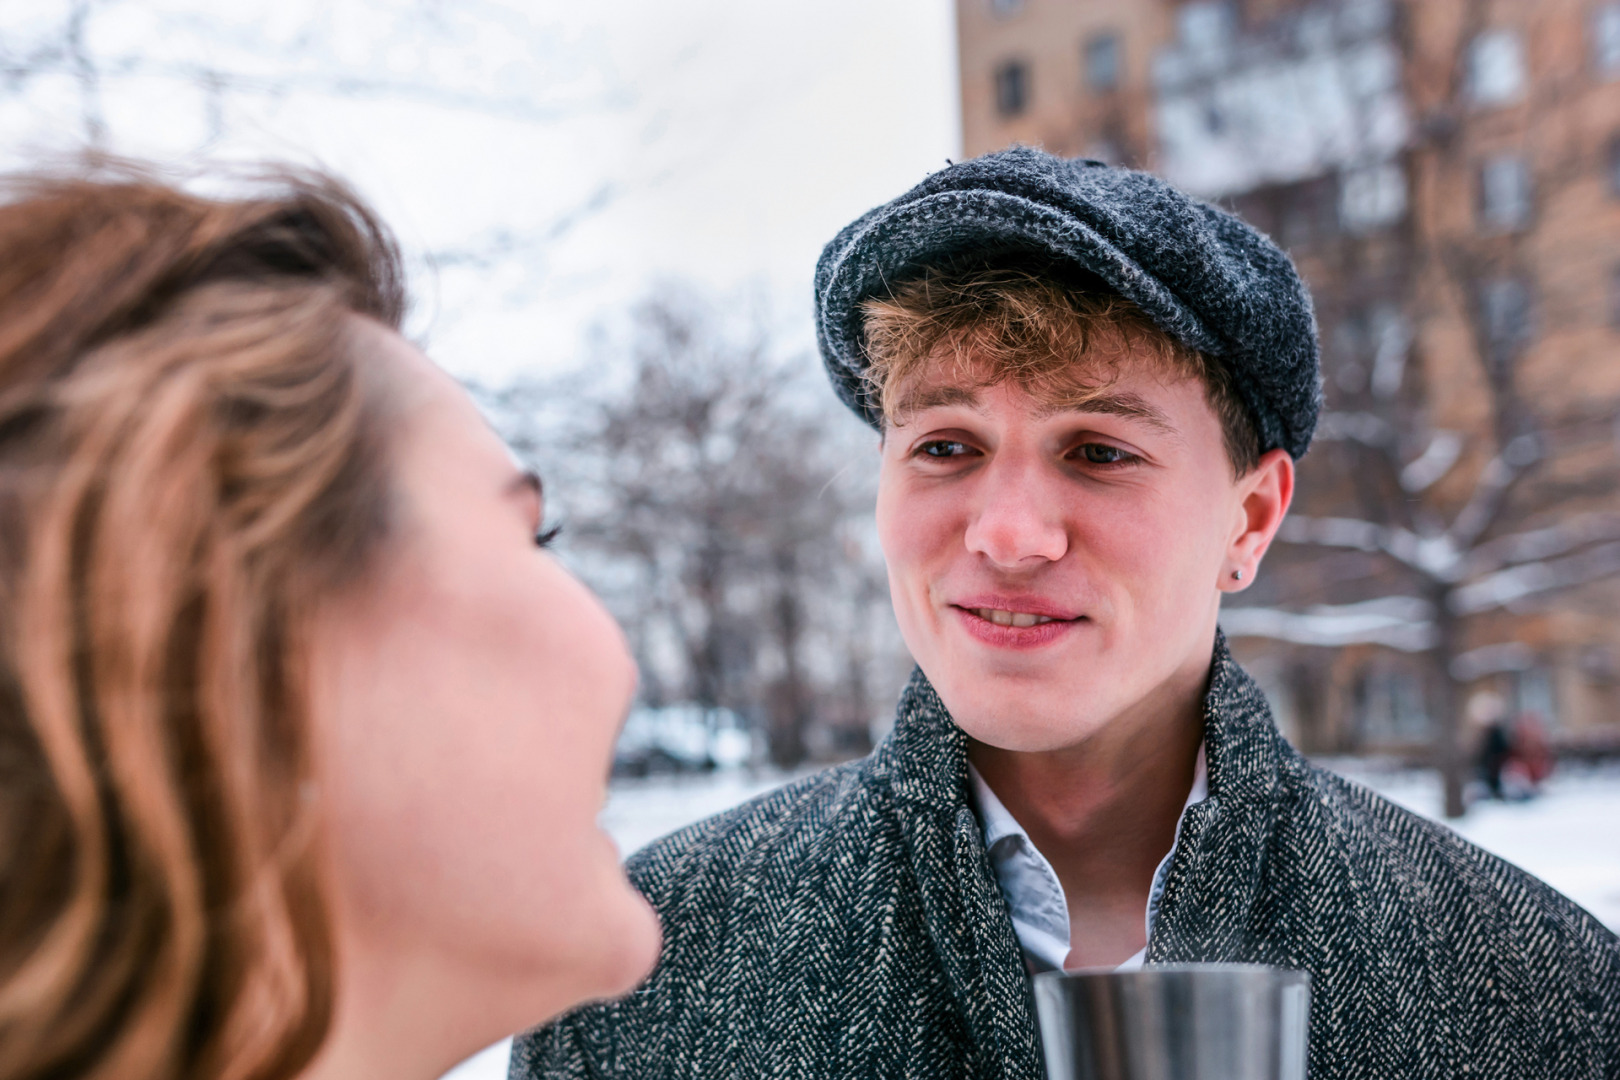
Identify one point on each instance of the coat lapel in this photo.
(966, 916)
(1206, 910)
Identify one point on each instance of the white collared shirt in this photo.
(1040, 911)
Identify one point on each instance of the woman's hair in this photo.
(1032, 326)
(190, 453)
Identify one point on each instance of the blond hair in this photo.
(189, 454)
(1060, 342)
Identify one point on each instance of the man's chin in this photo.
(1023, 722)
(1031, 737)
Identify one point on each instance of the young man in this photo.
(1091, 391)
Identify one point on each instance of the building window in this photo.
(1305, 214)
(1506, 319)
(1392, 707)
(1205, 26)
(1606, 40)
(1495, 68)
(1012, 88)
(1102, 60)
(1372, 196)
(1372, 346)
(1003, 9)
(1504, 193)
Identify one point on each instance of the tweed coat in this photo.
(850, 925)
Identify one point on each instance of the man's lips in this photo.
(1015, 621)
(1042, 608)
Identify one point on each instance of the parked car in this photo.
(681, 738)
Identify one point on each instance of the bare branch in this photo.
(1399, 622)
(500, 245)
(1492, 491)
(1419, 474)
(1431, 556)
(360, 87)
(1508, 588)
(1537, 544)
(1366, 428)
(83, 68)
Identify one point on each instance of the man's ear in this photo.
(1263, 497)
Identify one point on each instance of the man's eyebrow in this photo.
(1127, 405)
(934, 397)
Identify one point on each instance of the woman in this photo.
(302, 742)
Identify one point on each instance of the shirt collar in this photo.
(1034, 895)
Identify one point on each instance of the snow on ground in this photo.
(640, 811)
(1569, 836)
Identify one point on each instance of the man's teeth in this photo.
(1011, 618)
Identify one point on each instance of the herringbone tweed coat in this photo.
(850, 925)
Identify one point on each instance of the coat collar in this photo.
(1222, 839)
(928, 752)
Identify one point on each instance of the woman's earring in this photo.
(1237, 575)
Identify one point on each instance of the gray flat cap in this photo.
(1204, 277)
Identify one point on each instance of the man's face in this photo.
(1055, 569)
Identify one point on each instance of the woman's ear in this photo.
(1263, 496)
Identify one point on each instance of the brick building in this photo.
(1446, 173)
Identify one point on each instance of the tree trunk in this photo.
(858, 739)
(1450, 752)
(706, 660)
(790, 713)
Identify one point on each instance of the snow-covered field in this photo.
(1569, 837)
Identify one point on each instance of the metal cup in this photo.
(1175, 1022)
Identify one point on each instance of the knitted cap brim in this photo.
(1230, 293)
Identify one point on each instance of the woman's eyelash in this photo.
(546, 536)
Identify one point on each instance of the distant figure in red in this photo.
(1515, 757)
(1530, 759)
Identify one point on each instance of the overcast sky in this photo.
(560, 157)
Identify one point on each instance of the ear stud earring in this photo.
(1237, 575)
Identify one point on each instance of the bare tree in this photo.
(1456, 524)
(479, 58)
(718, 497)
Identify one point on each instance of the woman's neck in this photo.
(413, 1016)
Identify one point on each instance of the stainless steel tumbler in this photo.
(1175, 1022)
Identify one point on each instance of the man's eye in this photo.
(1101, 454)
(943, 448)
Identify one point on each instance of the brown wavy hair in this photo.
(190, 453)
(1060, 340)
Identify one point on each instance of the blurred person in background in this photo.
(1514, 756)
(1495, 751)
(1091, 392)
(1533, 757)
(1494, 744)
(302, 740)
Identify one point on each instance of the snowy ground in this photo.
(1569, 837)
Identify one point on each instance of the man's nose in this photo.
(1020, 519)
